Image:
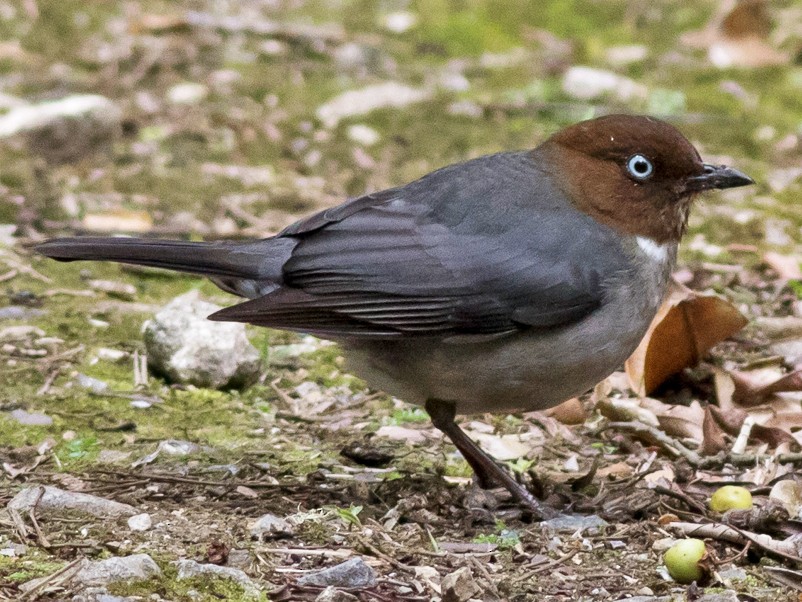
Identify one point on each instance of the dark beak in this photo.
(717, 177)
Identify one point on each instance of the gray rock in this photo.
(92, 384)
(20, 312)
(170, 447)
(332, 594)
(270, 526)
(90, 577)
(187, 348)
(189, 568)
(140, 522)
(351, 573)
(31, 418)
(727, 596)
(239, 558)
(575, 522)
(52, 500)
(136, 567)
(459, 586)
(101, 595)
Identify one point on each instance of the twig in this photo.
(326, 552)
(60, 576)
(43, 541)
(554, 563)
(381, 555)
(681, 496)
(672, 446)
(784, 549)
(51, 378)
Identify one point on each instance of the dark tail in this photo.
(256, 260)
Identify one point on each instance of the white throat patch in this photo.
(656, 252)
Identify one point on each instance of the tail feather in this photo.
(258, 260)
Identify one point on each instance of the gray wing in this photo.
(486, 247)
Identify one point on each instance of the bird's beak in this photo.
(717, 176)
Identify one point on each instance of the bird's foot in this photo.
(487, 471)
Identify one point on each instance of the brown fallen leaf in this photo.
(568, 412)
(713, 440)
(738, 36)
(758, 393)
(685, 327)
(749, 391)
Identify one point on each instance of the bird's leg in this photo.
(487, 471)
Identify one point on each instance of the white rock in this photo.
(188, 93)
(399, 21)
(587, 83)
(31, 117)
(332, 594)
(187, 348)
(401, 433)
(621, 56)
(363, 134)
(67, 129)
(368, 99)
(140, 522)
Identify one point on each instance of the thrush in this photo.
(513, 281)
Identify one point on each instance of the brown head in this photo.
(635, 174)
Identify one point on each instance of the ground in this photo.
(220, 134)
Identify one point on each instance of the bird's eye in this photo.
(639, 167)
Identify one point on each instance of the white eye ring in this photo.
(639, 167)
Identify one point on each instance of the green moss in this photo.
(20, 570)
(205, 588)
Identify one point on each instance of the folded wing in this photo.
(480, 248)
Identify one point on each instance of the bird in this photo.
(508, 282)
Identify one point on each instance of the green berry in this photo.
(731, 497)
(683, 560)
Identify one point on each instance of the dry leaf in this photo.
(119, 220)
(738, 37)
(752, 390)
(568, 412)
(713, 440)
(772, 435)
(619, 470)
(789, 493)
(730, 421)
(786, 266)
(685, 327)
(759, 394)
(683, 421)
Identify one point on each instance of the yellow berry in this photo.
(731, 497)
(682, 560)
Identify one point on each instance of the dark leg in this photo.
(485, 468)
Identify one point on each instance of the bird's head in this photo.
(636, 174)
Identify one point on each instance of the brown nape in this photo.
(597, 152)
